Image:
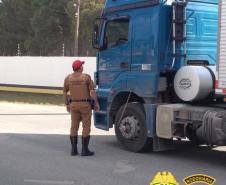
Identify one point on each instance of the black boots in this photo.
(74, 141)
(85, 149)
(85, 144)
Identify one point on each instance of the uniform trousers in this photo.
(80, 112)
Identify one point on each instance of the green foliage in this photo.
(90, 10)
(41, 27)
(15, 24)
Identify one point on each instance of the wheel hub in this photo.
(129, 127)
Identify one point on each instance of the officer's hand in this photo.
(68, 108)
(97, 107)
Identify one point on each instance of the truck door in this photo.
(116, 55)
(145, 47)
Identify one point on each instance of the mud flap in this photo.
(160, 144)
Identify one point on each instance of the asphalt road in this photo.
(34, 150)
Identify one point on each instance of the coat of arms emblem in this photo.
(164, 178)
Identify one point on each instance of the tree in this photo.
(42, 26)
(51, 27)
(15, 25)
(89, 11)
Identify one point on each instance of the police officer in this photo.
(78, 92)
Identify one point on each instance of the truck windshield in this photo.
(116, 32)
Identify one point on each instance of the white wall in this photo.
(40, 71)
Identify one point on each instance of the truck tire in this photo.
(131, 129)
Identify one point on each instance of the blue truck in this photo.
(161, 72)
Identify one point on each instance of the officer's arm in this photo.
(94, 97)
(66, 90)
(93, 94)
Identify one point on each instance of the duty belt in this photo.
(83, 100)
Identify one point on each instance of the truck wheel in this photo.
(131, 129)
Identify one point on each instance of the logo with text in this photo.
(164, 178)
(185, 83)
(199, 178)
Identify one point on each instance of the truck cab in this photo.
(156, 68)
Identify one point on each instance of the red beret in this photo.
(77, 64)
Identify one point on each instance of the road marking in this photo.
(49, 182)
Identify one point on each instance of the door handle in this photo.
(124, 64)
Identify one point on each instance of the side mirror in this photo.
(96, 36)
(97, 30)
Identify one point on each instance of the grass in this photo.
(31, 98)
